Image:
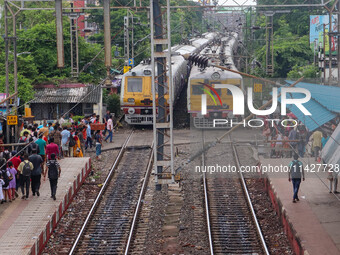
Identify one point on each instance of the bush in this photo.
(75, 118)
(113, 103)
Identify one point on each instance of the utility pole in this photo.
(107, 50)
(7, 67)
(11, 39)
(324, 54)
(107, 38)
(60, 39)
(330, 48)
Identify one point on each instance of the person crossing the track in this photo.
(109, 127)
(295, 173)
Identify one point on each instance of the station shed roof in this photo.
(71, 93)
(328, 96)
(322, 110)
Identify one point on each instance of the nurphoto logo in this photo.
(239, 104)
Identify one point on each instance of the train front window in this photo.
(135, 85)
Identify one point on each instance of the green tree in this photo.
(113, 103)
(309, 71)
(290, 49)
(25, 88)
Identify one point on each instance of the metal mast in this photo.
(269, 42)
(126, 37)
(161, 90)
(11, 45)
(74, 42)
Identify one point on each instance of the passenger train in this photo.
(136, 87)
(203, 81)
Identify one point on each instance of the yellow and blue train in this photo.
(203, 81)
(136, 87)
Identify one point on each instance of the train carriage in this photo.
(136, 91)
(204, 81)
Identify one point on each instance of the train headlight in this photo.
(215, 76)
(131, 100)
(147, 72)
(131, 110)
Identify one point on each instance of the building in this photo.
(85, 28)
(51, 101)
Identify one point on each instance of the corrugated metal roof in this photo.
(328, 96)
(320, 114)
(90, 94)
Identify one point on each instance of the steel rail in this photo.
(107, 180)
(139, 203)
(206, 201)
(244, 186)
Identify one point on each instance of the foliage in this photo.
(113, 103)
(309, 71)
(37, 59)
(36, 45)
(77, 117)
(291, 43)
(183, 23)
(24, 86)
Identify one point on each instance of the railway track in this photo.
(231, 221)
(110, 221)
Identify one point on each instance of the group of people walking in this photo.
(23, 171)
(39, 149)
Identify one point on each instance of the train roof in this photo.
(209, 35)
(176, 62)
(176, 58)
(196, 73)
(183, 49)
(199, 42)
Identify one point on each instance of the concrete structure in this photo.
(313, 223)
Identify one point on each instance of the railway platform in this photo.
(26, 225)
(313, 223)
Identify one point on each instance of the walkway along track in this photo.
(107, 226)
(231, 221)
